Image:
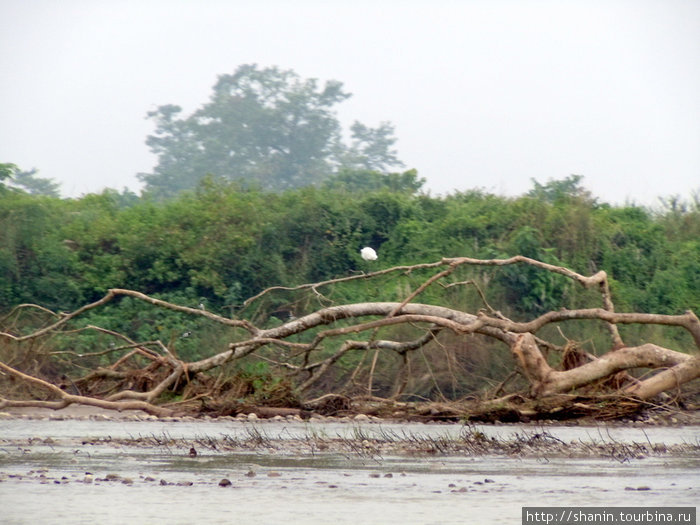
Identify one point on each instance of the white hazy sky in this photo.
(483, 93)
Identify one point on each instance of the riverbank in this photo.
(368, 436)
(651, 417)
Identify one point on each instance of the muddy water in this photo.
(86, 471)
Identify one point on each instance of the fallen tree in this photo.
(561, 380)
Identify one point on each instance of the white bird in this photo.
(368, 254)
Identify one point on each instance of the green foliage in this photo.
(14, 179)
(268, 127)
(224, 242)
(7, 170)
(264, 385)
(371, 148)
(529, 289)
(35, 264)
(369, 180)
(563, 189)
(29, 182)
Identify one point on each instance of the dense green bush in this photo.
(222, 243)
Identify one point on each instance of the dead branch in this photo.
(547, 381)
(116, 292)
(600, 280)
(328, 330)
(689, 320)
(66, 399)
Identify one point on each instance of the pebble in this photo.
(225, 483)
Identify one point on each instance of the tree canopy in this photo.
(266, 126)
(14, 179)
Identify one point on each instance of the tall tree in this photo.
(7, 171)
(267, 126)
(555, 190)
(27, 181)
(31, 183)
(371, 149)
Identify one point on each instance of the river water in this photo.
(122, 471)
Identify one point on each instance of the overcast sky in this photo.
(484, 94)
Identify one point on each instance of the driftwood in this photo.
(357, 328)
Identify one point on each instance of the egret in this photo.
(368, 254)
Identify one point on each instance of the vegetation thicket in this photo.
(222, 243)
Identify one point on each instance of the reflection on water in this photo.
(44, 480)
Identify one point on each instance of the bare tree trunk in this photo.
(679, 368)
(339, 330)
